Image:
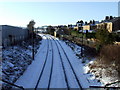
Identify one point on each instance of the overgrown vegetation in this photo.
(107, 67)
(107, 63)
(104, 37)
(50, 30)
(110, 56)
(15, 60)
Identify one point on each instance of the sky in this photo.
(54, 13)
(119, 9)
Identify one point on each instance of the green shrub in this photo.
(104, 37)
(90, 35)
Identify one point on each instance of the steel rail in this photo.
(65, 75)
(43, 66)
(51, 67)
(70, 66)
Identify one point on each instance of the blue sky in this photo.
(54, 13)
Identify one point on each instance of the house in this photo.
(76, 28)
(12, 34)
(79, 25)
(71, 26)
(115, 24)
(90, 27)
(86, 27)
(42, 29)
(111, 25)
(105, 25)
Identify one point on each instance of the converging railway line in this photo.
(55, 69)
(70, 65)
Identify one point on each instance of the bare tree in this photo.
(30, 27)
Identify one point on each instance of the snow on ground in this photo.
(15, 60)
(105, 74)
(32, 73)
(34, 70)
(57, 75)
(85, 79)
(97, 76)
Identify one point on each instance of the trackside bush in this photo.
(110, 55)
(104, 38)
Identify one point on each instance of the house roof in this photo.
(115, 19)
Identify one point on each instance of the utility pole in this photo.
(80, 28)
(82, 43)
(33, 43)
(30, 27)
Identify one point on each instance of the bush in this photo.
(104, 37)
(110, 55)
(74, 33)
(90, 35)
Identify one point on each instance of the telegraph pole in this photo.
(31, 30)
(82, 44)
(33, 43)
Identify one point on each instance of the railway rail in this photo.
(56, 41)
(50, 51)
(55, 57)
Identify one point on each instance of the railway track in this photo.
(51, 70)
(62, 66)
(78, 82)
(48, 60)
(48, 66)
(42, 67)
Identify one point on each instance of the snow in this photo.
(34, 70)
(15, 60)
(96, 76)
(77, 66)
(57, 75)
(106, 75)
(82, 69)
(43, 83)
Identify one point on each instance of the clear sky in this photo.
(54, 13)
